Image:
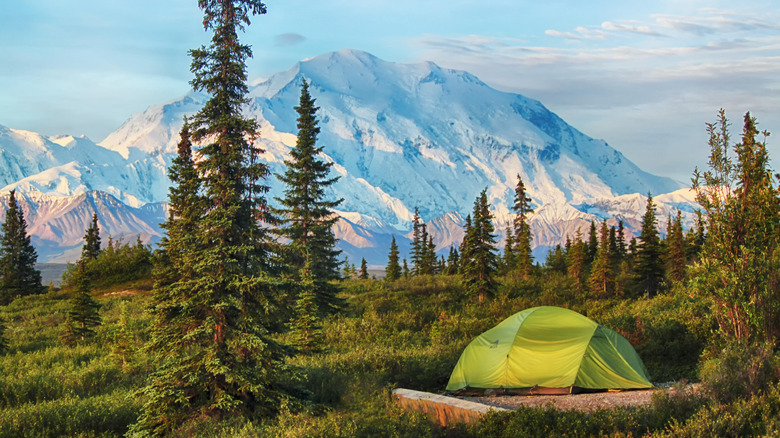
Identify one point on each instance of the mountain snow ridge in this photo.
(401, 136)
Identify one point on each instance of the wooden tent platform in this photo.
(440, 408)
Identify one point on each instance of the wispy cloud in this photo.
(580, 33)
(647, 87)
(289, 39)
(631, 27)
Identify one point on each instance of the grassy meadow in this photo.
(404, 334)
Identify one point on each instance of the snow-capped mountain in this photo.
(401, 136)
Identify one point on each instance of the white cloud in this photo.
(647, 96)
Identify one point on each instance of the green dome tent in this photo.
(549, 347)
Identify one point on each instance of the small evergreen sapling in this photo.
(91, 248)
(393, 270)
(84, 313)
(363, 270)
(306, 328)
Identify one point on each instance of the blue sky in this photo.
(644, 76)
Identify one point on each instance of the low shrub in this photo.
(739, 371)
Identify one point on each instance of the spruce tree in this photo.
(84, 312)
(593, 243)
(522, 230)
(675, 250)
(306, 327)
(649, 268)
(465, 250)
(405, 270)
(602, 276)
(18, 276)
(393, 270)
(363, 275)
(429, 255)
(306, 215)
(576, 260)
(621, 241)
(480, 263)
(214, 327)
(510, 258)
(453, 261)
(419, 240)
(556, 260)
(91, 248)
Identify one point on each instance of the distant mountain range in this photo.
(401, 136)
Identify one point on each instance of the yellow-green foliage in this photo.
(48, 389)
(407, 333)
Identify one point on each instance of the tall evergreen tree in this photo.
(393, 270)
(18, 276)
(556, 260)
(214, 331)
(602, 276)
(510, 258)
(465, 250)
(480, 263)
(649, 266)
(91, 248)
(405, 270)
(307, 216)
(593, 243)
(419, 242)
(363, 275)
(453, 261)
(675, 250)
(621, 241)
(522, 230)
(428, 266)
(576, 260)
(84, 312)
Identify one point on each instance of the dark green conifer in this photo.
(419, 240)
(429, 255)
(214, 328)
(621, 241)
(453, 261)
(675, 256)
(18, 276)
(576, 261)
(306, 215)
(306, 327)
(649, 268)
(556, 260)
(510, 258)
(480, 262)
(393, 270)
(522, 230)
(91, 248)
(602, 275)
(363, 275)
(593, 244)
(84, 312)
(405, 270)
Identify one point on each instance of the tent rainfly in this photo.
(549, 347)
